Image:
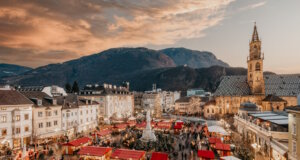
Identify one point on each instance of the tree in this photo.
(68, 88)
(75, 87)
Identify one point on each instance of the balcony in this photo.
(261, 130)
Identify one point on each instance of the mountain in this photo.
(11, 69)
(193, 58)
(107, 66)
(140, 66)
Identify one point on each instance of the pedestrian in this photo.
(182, 155)
(185, 156)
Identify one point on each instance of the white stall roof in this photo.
(277, 117)
(263, 114)
(280, 122)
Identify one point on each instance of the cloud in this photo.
(253, 6)
(55, 31)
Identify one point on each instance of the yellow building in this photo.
(270, 92)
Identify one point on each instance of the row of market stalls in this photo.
(87, 152)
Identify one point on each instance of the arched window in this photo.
(250, 67)
(257, 66)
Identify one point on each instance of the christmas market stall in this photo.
(95, 153)
(75, 145)
(126, 154)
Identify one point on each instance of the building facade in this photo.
(294, 132)
(46, 116)
(15, 119)
(114, 102)
(188, 105)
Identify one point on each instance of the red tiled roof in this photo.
(223, 147)
(127, 154)
(163, 125)
(141, 125)
(214, 140)
(78, 142)
(121, 126)
(159, 156)
(103, 132)
(94, 151)
(206, 154)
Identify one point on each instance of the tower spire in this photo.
(255, 37)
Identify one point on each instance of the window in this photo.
(40, 114)
(40, 125)
(55, 112)
(17, 118)
(26, 116)
(55, 123)
(87, 119)
(207, 110)
(3, 119)
(26, 129)
(294, 129)
(48, 113)
(48, 124)
(81, 121)
(63, 115)
(68, 114)
(257, 67)
(212, 111)
(294, 147)
(18, 130)
(4, 132)
(80, 112)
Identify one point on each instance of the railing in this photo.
(254, 126)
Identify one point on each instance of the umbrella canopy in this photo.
(217, 129)
(229, 158)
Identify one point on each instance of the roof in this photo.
(222, 146)
(206, 154)
(127, 154)
(273, 98)
(94, 151)
(217, 129)
(46, 99)
(279, 85)
(248, 106)
(73, 101)
(104, 132)
(159, 156)
(13, 97)
(293, 108)
(78, 142)
(280, 121)
(102, 90)
(229, 158)
(233, 86)
(213, 140)
(211, 102)
(183, 99)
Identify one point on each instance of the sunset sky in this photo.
(37, 33)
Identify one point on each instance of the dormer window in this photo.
(39, 102)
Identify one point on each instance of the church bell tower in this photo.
(255, 65)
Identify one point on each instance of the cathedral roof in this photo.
(279, 85)
(273, 98)
(233, 86)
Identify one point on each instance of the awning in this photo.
(214, 140)
(159, 156)
(217, 129)
(223, 147)
(229, 158)
(206, 154)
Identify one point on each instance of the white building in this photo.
(114, 102)
(46, 116)
(15, 118)
(78, 115)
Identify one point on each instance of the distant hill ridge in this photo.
(140, 66)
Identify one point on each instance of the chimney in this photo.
(110, 86)
(104, 85)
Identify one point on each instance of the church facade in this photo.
(270, 92)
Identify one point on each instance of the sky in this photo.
(36, 33)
